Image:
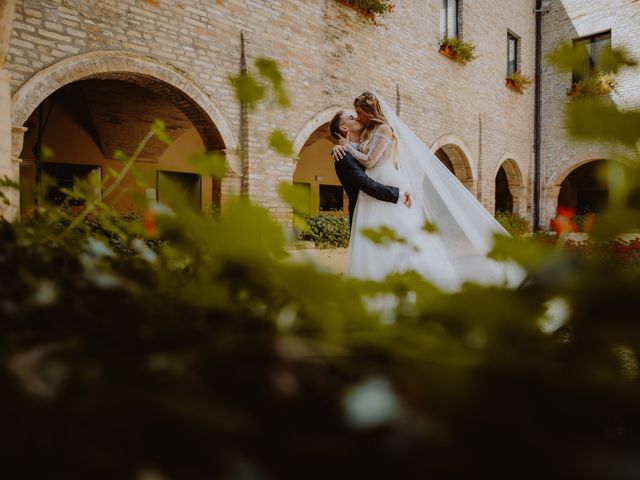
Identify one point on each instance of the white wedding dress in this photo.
(456, 252)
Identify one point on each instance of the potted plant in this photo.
(518, 82)
(458, 50)
(371, 9)
(597, 85)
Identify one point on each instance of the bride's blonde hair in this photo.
(370, 105)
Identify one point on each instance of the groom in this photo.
(351, 173)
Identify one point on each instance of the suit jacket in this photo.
(353, 179)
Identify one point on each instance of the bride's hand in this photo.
(337, 152)
(343, 140)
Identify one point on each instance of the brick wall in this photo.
(328, 55)
(567, 20)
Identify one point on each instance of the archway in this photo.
(584, 190)
(509, 188)
(455, 155)
(580, 187)
(456, 161)
(315, 169)
(167, 90)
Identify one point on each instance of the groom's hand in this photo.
(337, 152)
(406, 199)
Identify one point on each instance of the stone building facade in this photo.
(182, 53)
(566, 161)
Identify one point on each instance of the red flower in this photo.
(563, 221)
(149, 222)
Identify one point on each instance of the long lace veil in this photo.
(465, 227)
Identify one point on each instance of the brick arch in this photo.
(160, 78)
(515, 181)
(552, 186)
(314, 128)
(460, 158)
(512, 169)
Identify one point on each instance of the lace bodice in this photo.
(380, 149)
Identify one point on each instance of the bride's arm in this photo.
(380, 142)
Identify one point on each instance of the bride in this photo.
(452, 254)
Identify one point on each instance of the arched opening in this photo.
(160, 78)
(504, 199)
(509, 188)
(315, 171)
(457, 162)
(584, 189)
(85, 122)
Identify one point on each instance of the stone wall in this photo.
(7, 166)
(568, 20)
(328, 54)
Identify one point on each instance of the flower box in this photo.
(458, 50)
(518, 82)
(371, 9)
(599, 85)
(512, 85)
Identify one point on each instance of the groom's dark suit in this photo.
(353, 179)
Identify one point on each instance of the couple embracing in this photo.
(393, 180)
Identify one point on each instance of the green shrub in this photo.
(327, 231)
(514, 224)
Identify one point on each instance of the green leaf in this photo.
(47, 153)
(140, 179)
(248, 91)
(297, 196)
(614, 59)
(598, 120)
(268, 68)
(279, 141)
(209, 163)
(300, 224)
(120, 156)
(429, 227)
(383, 235)
(159, 130)
(566, 58)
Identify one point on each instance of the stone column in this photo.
(519, 201)
(232, 182)
(7, 166)
(548, 204)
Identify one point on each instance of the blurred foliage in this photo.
(568, 58)
(327, 231)
(189, 346)
(279, 141)
(513, 223)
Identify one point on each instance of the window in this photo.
(449, 21)
(512, 53)
(331, 198)
(64, 175)
(179, 188)
(592, 48)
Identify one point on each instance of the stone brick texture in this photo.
(328, 54)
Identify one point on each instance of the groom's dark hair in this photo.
(336, 123)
